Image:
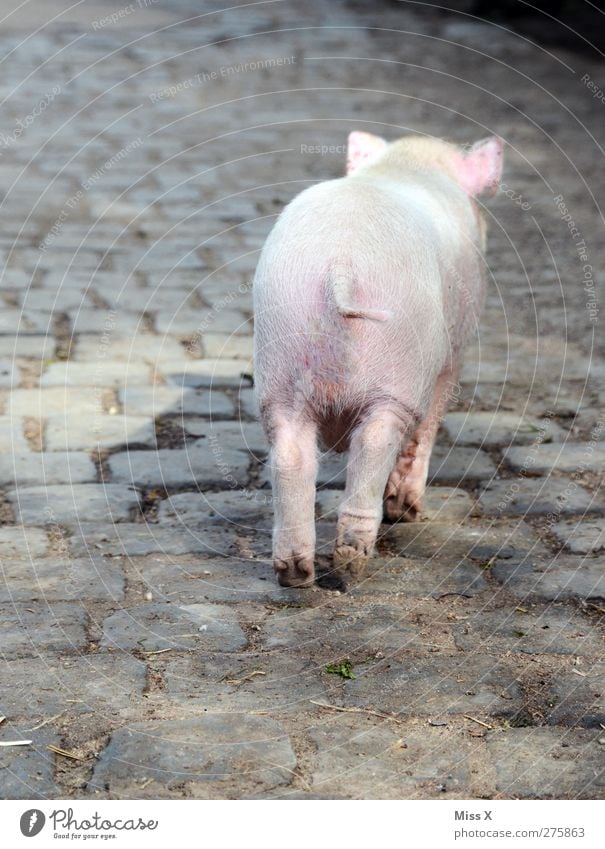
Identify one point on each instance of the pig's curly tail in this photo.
(341, 285)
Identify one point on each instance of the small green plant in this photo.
(344, 669)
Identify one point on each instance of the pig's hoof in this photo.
(396, 511)
(295, 572)
(348, 558)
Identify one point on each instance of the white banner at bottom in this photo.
(309, 823)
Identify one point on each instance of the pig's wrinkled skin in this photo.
(366, 291)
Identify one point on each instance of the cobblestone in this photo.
(62, 580)
(139, 348)
(65, 400)
(204, 627)
(217, 579)
(100, 683)
(9, 374)
(101, 373)
(53, 301)
(196, 508)
(205, 754)
(204, 373)
(87, 320)
(100, 432)
(585, 537)
(538, 497)
(114, 540)
(151, 301)
(579, 700)
(33, 347)
(459, 465)
(478, 541)
(368, 628)
(571, 457)
(540, 763)
(279, 683)
(27, 630)
(140, 619)
(29, 774)
(498, 428)
(437, 686)
(193, 466)
(556, 630)
(165, 400)
(53, 468)
(236, 435)
(354, 760)
(11, 436)
(417, 578)
(24, 322)
(22, 542)
(225, 346)
(42, 505)
(563, 578)
(186, 322)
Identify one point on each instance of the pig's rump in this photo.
(337, 368)
(313, 359)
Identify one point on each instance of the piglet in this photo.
(365, 293)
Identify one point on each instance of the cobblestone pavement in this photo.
(143, 161)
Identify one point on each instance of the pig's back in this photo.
(393, 243)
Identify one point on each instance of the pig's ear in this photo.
(362, 148)
(480, 169)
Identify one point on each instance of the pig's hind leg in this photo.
(293, 461)
(374, 446)
(406, 485)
